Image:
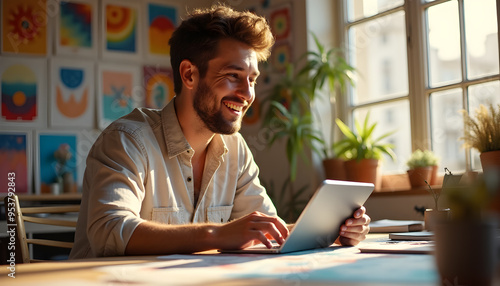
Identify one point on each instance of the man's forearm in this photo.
(154, 238)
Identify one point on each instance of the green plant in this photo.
(327, 66)
(361, 144)
(421, 158)
(482, 131)
(288, 116)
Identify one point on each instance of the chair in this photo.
(17, 216)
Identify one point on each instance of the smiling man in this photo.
(182, 179)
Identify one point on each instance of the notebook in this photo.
(318, 225)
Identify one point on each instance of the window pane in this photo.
(358, 9)
(481, 38)
(390, 117)
(447, 128)
(443, 44)
(378, 52)
(485, 93)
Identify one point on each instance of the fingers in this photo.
(268, 226)
(355, 229)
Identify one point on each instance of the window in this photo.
(418, 64)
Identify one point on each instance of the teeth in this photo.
(234, 107)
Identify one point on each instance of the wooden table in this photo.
(335, 265)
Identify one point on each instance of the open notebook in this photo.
(318, 226)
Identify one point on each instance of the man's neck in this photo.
(195, 132)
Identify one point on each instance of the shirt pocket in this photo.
(170, 215)
(220, 214)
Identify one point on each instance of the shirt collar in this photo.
(175, 140)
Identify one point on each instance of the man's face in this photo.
(226, 92)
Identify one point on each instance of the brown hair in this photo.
(197, 37)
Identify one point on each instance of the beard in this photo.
(209, 111)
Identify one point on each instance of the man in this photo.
(182, 179)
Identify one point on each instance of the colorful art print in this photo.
(24, 26)
(57, 161)
(119, 92)
(76, 28)
(280, 22)
(15, 161)
(281, 56)
(72, 93)
(121, 35)
(158, 86)
(162, 20)
(252, 115)
(23, 88)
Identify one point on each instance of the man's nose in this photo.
(246, 90)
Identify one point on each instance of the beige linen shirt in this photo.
(140, 169)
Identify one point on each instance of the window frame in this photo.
(419, 90)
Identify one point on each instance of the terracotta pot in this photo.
(334, 169)
(419, 175)
(365, 170)
(434, 175)
(433, 217)
(466, 252)
(490, 161)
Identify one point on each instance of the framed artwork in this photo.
(120, 38)
(76, 28)
(119, 92)
(72, 93)
(281, 27)
(23, 92)
(24, 27)
(57, 162)
(280, 22)
(15, 161)
(162, 19)
(281, 56)
(158, 86)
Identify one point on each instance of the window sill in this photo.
(399, 185)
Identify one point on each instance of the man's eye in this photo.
(233, 75)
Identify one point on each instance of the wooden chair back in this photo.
(17, 216)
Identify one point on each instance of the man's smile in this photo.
(233, 106)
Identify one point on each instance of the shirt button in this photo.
(189, 179)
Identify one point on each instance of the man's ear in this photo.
(189, 74)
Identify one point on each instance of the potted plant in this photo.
(466, 248)
(328, 66)
(288, 116)
(435, 214)
(482, 132)
(421, 166)
(362, 151)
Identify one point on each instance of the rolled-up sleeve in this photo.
(116, 173)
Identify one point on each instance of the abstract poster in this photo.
(15, 161)
(57, 159)
(162, 19)
(281, 56)
(253, 113)
(281, 27)
(24, 27)
(72, 93)
(158, 86)
(121, 29)
(280, 22)
(119, 92)
(76, 27)
(23, 87)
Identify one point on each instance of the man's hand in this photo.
(354, 230)
(245, 231)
